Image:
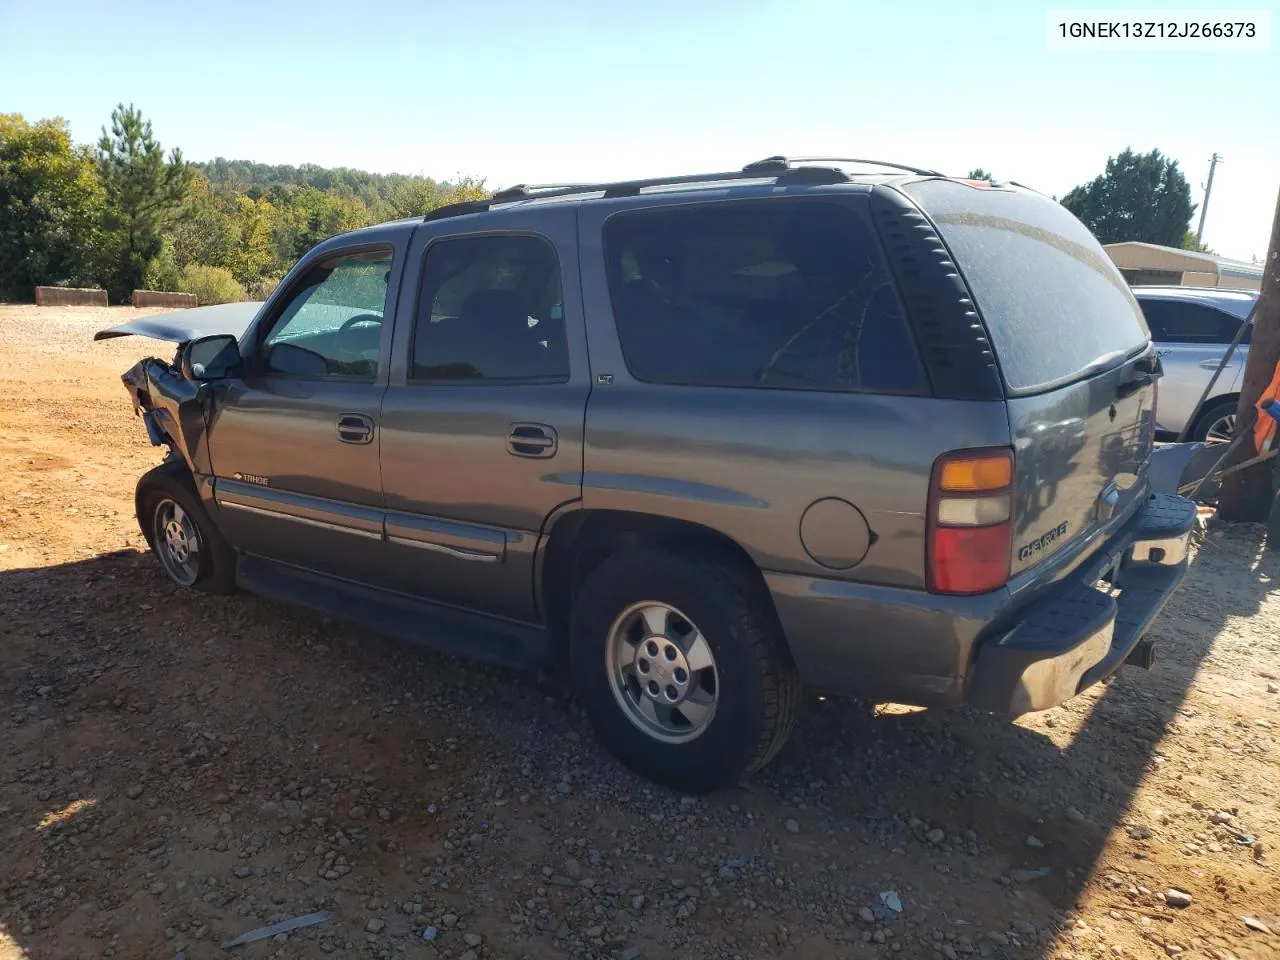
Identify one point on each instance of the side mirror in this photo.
(211, 358)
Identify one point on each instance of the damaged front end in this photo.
(174, 409)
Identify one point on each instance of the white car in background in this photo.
(1192, 327)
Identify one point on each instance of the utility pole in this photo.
(1208, 187)
(1249, 494)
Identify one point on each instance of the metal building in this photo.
(1148, 263)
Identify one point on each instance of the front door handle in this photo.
(532, 440)
(355, 428)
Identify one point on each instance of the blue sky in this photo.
(568, 89)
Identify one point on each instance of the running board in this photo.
(461, 633)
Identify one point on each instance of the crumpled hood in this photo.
(182, 325)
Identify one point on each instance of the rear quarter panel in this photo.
(749, 462)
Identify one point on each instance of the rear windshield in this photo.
(1052, 299)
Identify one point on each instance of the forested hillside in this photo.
(124, 215)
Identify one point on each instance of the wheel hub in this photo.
(662, 670)
(176, 540)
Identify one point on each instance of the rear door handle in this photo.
(355, 428)
(1213, 364)
(532, 440)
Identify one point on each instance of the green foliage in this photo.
(1189, 242)
(127, 217)
(144, 194)
(977, 173)
(1141, 196)
(262, 288)
(50, 206)
(210, 284)
(162, 271)
(205, 230)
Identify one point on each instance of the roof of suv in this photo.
(761, 176)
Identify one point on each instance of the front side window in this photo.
(778, 293)
(490, 310)
(331, 326)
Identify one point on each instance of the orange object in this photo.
(979, 473)
(1264, 428)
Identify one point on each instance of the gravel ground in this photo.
(177, 769)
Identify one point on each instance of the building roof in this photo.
(1135, 255)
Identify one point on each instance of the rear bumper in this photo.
(990, 651)
(1093, 622)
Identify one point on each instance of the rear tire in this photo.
(682, 667)
(191, 550)
(1215, 423)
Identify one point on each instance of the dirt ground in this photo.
(178, 769)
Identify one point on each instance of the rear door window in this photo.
(1053, 301)
(1173, 321)
(789, 294)
(490, 311)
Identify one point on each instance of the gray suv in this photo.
(700, 442)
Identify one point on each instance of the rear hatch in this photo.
(1073, 351)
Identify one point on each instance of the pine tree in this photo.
(144, 194)
(1142, 196)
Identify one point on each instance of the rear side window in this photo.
(1052, 299)
(1173, 321)
(777, 293)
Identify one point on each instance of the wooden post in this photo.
(1249, 494)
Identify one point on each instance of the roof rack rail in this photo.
(781, 163)
(620, 188)
(783, 169)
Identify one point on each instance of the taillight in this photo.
(970, 526)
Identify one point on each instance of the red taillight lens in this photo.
(970, 524)
(970, 559)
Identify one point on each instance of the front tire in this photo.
(682, 668)
(191, 551)
(1216, 423)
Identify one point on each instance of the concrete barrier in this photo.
(70, 297)
(162, 298)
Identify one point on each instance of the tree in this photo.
(977, 173)
(1247, 495)
(1141, 196)
(312, 215)
(204, 231)
(144, 193)
(50, 206)
(1189, 242)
